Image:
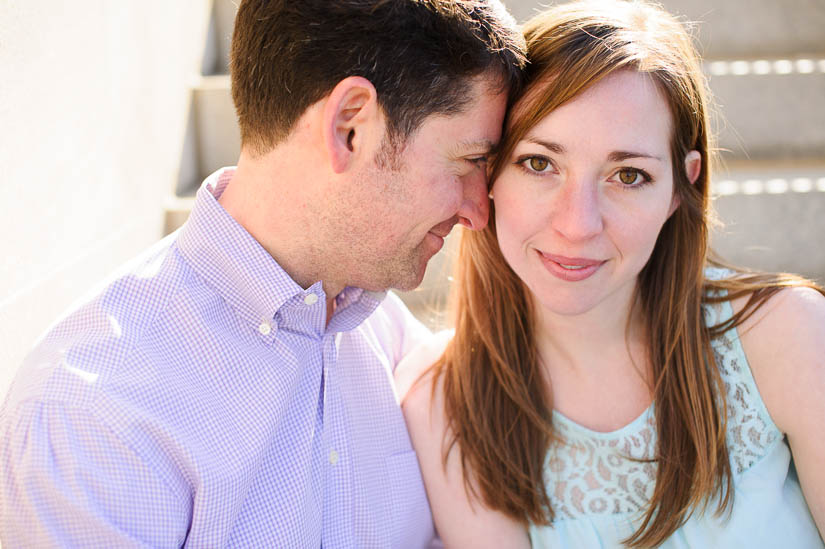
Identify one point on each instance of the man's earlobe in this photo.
(350, 110)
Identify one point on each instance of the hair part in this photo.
(419, 54)
(492, 363)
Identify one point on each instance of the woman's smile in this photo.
(570, 269)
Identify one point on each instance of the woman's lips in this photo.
(570, 269)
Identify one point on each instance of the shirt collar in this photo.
(228, 258)
(352, 306)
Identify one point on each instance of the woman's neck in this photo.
(591, 338)
(596, 362)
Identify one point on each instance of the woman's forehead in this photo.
(624, 103)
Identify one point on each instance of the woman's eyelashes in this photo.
(631, 177)
(536, 164)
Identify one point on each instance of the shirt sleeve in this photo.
(68, 480)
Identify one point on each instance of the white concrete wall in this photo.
(94, 96)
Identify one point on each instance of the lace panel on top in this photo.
(593, 473)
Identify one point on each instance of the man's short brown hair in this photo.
(419, 54)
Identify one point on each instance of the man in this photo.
(233, 386)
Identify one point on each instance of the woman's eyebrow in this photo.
(615, 156)
(619, 156)
(550, 146)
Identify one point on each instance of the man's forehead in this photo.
(476, 129)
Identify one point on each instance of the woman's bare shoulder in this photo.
(784, 342)
(413, 379)
(790, 322)
(461, 519)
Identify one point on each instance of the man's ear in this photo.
(350, 111)
(693, 166)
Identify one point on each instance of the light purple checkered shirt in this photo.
(200, 399)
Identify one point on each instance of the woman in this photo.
(605, 385)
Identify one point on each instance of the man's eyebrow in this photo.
(620, 156)
(483, 146)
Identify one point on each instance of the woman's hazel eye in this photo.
(629, 177)
(538, 164)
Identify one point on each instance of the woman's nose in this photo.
(577, 214)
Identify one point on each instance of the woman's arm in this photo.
(460, 519)
(784, 342)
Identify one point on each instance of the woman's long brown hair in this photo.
(496, 397)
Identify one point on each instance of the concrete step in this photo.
(212, 139)
(773, 216)
(745, 28)
(221, 23)
(770, 107)
(738, 28)
(176, 211)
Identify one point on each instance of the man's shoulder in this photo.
(89, 344)
(395, 327)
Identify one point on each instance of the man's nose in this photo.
(475, 206)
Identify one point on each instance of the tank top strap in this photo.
(751, 432)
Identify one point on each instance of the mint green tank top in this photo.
(599, 495)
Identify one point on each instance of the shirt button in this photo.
(333, 457)
(264, 328)
(310, 299)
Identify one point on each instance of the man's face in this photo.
(395, 215)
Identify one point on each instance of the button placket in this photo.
(329, 355)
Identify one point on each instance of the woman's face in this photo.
(581, 200)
